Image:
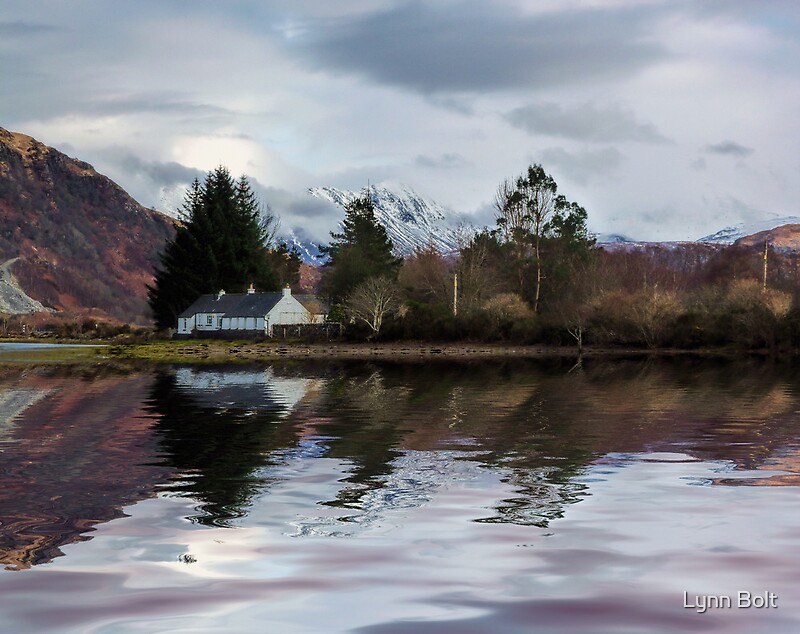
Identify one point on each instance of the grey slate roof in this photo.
(242, 304)
(234, 304)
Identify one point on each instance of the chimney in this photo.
(251, 289)
(287, 291)
(220, 294)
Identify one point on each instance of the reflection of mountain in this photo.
(73, 458)
(13, 402)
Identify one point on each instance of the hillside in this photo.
(84, 246)
(729, 235)
(784, 238)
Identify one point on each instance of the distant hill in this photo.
(784, 238)
(612, 238)
(729, 235)
(84, 246)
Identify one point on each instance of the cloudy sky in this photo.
(665, 119)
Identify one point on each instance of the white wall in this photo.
(202, 322)
(288, 312)
(185, 325)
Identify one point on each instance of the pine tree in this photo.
(220, 244)
(362, 250)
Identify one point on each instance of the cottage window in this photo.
(209, 320)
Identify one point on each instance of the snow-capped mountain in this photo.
(308, 249)
(411, 220)
(731, 234)
(612, 238)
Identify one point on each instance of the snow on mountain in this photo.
(411, 220)
(612, 238)
(309, 250)
(731, 234)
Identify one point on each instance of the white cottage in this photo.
(249, 313)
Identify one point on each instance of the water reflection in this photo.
(75, 450)
(216, 429)
(393, 434)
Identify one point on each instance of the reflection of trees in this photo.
(78, 445)
(365, 431)
(491, 415)
(540, 426)
(217, 451)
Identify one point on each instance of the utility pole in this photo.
(455, 295)
(766, 252)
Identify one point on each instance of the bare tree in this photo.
(653, 311)
(314, 309)
(270, 223)
(524, 210)
(477, 281)
(427, 276)
(512, 217)
(372, 301)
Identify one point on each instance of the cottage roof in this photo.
(243, 304)
(212, 304)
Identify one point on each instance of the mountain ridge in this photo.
(412, 221)
(79, 243)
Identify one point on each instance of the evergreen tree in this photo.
(362, 250)
(220, 244)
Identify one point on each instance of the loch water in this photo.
(386, 498)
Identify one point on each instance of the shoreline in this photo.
(210, 351)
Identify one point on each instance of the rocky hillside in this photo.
(785, 238)
(78, 243)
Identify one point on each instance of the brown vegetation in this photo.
(85, 246)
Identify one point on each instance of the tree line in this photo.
(225, 240)
(536, 276)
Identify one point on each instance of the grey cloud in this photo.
(299, 205)
(154, 104)
(582, 167)
(167, 182)
(444, 161)
(160, 174)
(585, 122)
(24, 29)
(304, 215)
(483, 216)
(459, 106)
(475, 47)
(729, 148)
(737, 209)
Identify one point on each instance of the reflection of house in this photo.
(251, 312)
(260, 390)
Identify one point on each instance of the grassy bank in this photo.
(52, 354)
(215, 351)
